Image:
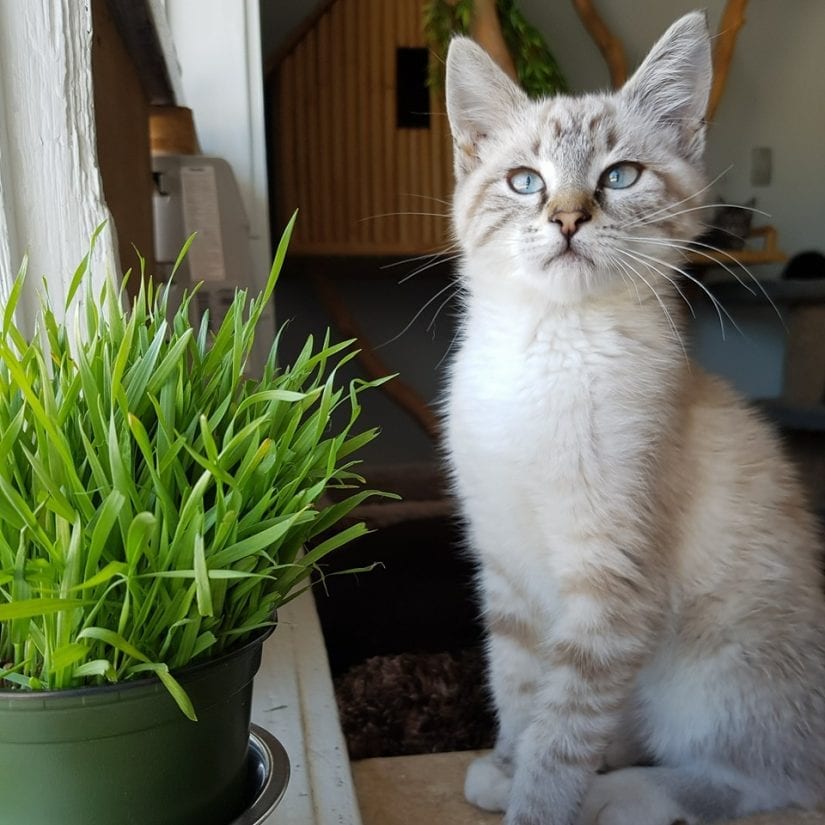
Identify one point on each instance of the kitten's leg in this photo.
(599, 643)
(514, 670)
(626, 748)
(664, 796)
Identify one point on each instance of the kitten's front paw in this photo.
(487, 785)
(624, 798)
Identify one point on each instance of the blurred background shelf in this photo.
(768, 253)
(784, 293)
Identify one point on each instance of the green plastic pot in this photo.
(126, 755)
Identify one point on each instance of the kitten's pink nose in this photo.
(569, 221)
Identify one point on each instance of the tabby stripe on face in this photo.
(466, 156)
(611, 139)
(595, 122)
(478, 200)
(493, 228)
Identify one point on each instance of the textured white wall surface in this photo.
(51, 196)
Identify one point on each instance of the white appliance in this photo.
(199, 194)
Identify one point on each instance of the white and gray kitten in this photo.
(648, 568)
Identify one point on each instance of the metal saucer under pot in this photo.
(268, 776)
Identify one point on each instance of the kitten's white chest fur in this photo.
(547, 411)
(546, 441)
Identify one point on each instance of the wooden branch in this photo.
(733, 18)
(609, 45)
(485, 29)
(374, 366)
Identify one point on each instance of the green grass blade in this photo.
(171, 684)
(31, 608)
(115, 640)
(14, 297)
(203, 587)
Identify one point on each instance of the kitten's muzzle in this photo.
(569, 221)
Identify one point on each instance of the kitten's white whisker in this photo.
(720, 229)
(428, 265)
(447, 351)
(673, 244)
(417, 315)
(719, 308)
(664, 275)
(747, 272)
(424, 197)
(640, 222)
(672, 281)
(664, 309)
(690, 247)
(441, 306)
(427, 255)
(689, 197)
(624, 272)
(403, 214)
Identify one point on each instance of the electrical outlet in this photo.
(761, 165)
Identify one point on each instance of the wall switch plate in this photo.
(761, 165)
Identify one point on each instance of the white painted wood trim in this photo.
(51, 195)
(157, 13)
(10, 253)
(218, 46)
(294, 699)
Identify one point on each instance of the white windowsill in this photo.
(294, 699)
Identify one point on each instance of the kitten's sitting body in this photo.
(648, 569)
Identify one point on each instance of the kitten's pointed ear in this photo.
(673, 83)
(480, 99)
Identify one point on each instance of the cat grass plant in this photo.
(155, 503)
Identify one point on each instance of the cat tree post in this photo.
(733, 18)
(609, 45)
(486, 31)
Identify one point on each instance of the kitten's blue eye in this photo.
(525, 181)
(620, 175)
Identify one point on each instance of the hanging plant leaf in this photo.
(538, 70)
